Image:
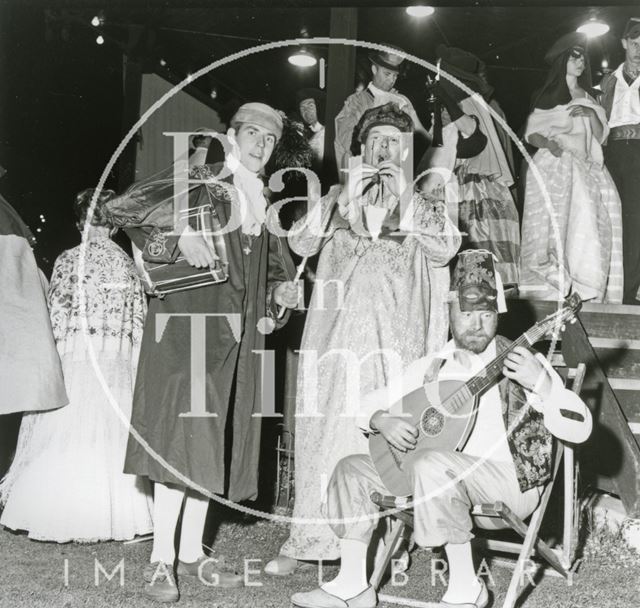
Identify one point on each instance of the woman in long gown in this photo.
(66, 481)
(383, 304)
(571, 229)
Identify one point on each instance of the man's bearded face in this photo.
(384, 142)
(474, 330)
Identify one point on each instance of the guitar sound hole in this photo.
(431, 422)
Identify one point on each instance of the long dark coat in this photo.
(195, 446)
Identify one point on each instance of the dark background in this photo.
(62, 102)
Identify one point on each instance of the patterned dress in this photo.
(377, 305)
(571, 227)
(66, 481)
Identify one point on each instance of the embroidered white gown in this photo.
(66, 481)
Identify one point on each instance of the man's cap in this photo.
(632, 29)
(260, 114)
(564, 44)
(476, 282)
(385, 59)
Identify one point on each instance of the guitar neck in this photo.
(485, 378)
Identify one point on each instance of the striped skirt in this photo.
(571, 230)
(488, 219)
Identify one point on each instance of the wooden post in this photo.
(340, 80)
(132, 90)
(611, 452)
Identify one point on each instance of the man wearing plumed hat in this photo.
(621, 101)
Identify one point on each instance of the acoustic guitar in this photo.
(445, 412)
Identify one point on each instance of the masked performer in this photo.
(571, 228)
(507, 457)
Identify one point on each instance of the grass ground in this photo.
(32, 574)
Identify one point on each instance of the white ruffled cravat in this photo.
(253, 205)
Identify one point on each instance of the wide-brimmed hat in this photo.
(476, 282)
(465, 67)
(389, 60)
(319, 96)
(632, 29)
(565, 43)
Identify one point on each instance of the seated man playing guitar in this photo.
(500, 451)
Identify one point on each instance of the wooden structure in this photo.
(607, 339)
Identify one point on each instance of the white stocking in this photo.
(193, 520)
(352, 578)
(464, 586)
(166, 510)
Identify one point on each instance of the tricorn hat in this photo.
(465, 67)
(389, 60)
(632, 29)
(476, 282)
(318, 95)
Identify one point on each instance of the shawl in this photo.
(572, 133)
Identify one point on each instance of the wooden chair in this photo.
(560, 558)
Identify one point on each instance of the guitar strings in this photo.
(485, 378)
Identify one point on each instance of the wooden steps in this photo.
(607, 338)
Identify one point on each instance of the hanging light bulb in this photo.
(302, 59)
(95, 21)
(100, 39)
(163, 63)
(214, 93)
(420, 11)
(605, 64)
(593, 28)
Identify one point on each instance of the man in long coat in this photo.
(200, 363)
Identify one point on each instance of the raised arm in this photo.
(345, 122)
(308, 235)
